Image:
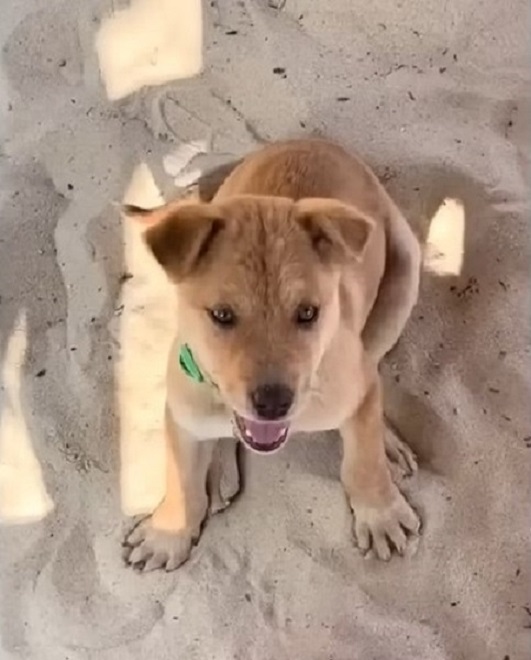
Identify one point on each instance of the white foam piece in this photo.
(176, 161)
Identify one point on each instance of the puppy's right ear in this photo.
(337, 231)
(179, 236)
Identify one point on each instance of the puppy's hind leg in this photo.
(402, 459)
(223, 481)
(398, 290)
(395, 300)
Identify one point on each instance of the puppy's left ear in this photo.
(179, 235)
(150, 217)
(338, 232)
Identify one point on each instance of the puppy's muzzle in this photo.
(272, 401)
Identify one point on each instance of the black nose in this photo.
(272, 400)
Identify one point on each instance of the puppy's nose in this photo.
(272, 400)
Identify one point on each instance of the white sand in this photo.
(437, 98)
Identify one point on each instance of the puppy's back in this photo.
(307, 168)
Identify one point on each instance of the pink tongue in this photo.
(265, 433)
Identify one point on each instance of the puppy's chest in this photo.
(330, 405)
(337, 390)
(324, 411)
(213, 419)
(327, 408)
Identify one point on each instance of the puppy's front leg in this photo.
(164, 539)
(382, 515)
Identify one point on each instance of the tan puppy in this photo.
(292, 284)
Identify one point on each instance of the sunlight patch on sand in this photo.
(23, 496)
(445, 244)
(144, 333)
(150, 43)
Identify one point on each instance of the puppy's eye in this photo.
(306, 315)
(222, 316)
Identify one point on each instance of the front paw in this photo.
(147, 548)
(380, 529)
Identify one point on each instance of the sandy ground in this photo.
(436, 96)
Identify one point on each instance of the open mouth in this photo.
(261, 437)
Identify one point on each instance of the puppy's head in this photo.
(259, 297)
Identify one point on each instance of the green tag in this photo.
(189, 365)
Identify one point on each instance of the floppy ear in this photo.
(179, 235)
(153, 216)
(337, 231)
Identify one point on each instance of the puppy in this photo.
(292, 283)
